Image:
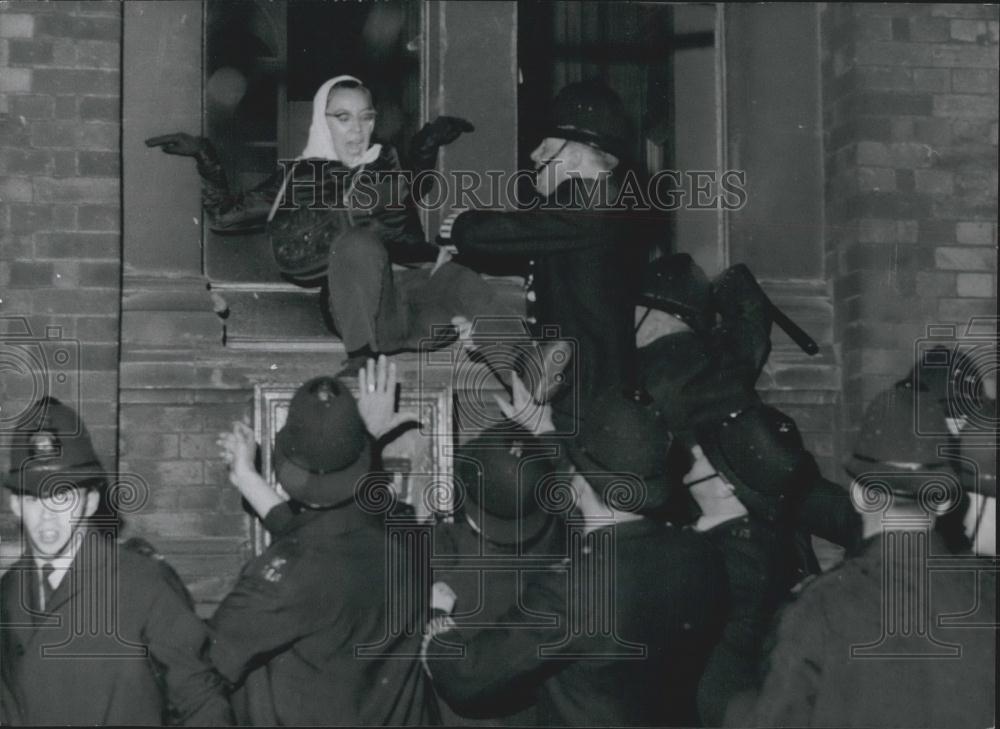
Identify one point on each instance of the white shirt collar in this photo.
(62, 562)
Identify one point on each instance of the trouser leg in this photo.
(454, 290)
(363, 301)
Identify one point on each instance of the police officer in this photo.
(581, 260)
(633, 610)
(499, 535)
(288, 632)
(748, 474)
(887, 639)
(978, 469)
(93, 631)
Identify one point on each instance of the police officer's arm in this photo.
(273, 604)
(826, 510)
(238, 449)
(178, 643)
(497, 660)
(794, 665)
(487, 233)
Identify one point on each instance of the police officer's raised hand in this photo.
(442, 603)
(443, 597)
(464, 328)
(179, 143)
(238, 450)
(524, 410)
(377, 397)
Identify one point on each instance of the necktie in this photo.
(47, 588)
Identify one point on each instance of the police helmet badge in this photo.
(44, 444)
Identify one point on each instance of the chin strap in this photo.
(703, 479)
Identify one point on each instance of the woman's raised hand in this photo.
(179, 143)
(441, 131)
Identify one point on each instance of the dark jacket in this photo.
(583, 264)
(752, 551)
(9, 714)
(697, 378)
(939, 672)
(136, 645)
(660, 616)
(488, 577)
(291, 627)
(321, 200)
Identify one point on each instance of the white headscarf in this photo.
(320, 144)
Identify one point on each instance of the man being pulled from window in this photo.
(92, 631)
(633, 609)
(340, 215)
(758, 491)
(702, 371)
(288, 632)
(581, 256)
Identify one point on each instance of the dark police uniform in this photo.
(487, 577)
(8, 709)
(750, 549)
(289, 630)
(702, 379)
(662, 614)
(582, 266)
(117, 645)
(814, 681)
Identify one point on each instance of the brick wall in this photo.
(60, 259)
(190, 512)
(910, 129)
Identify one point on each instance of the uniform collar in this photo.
(329, 523)
(61, 563)
(91, 553)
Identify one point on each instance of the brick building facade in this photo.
(60, 262)
(908, 132)
(910, 129)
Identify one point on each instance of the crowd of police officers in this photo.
(631, 546)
